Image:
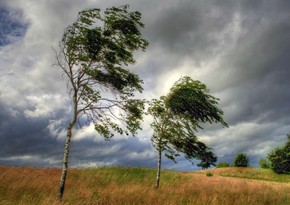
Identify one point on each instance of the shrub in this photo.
(209, 174)
(264, 163)
(223, 164)
(280, 160)
(241, 160)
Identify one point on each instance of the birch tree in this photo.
(93, 55)
(176, 119)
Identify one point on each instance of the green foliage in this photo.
(94, 53)
(264, 163)
(209, 174)
(241, 160)
(280, 158)
(190, 99)
(207, 158)
(223, 164)
(175, 127)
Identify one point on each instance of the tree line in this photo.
(278, 160)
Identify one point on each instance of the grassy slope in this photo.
(251, 173)
(120, 185)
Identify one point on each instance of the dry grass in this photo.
(117, 185)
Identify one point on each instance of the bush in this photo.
(223, 164)
(264, 163)
(209, 174)
(241, 160)
(280, 160)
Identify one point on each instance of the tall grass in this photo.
(120, 185)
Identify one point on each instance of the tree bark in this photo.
(158, 169)
(66, 148)
(65, 161)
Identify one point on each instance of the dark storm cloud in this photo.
(239, 49)
(253, 71)
(29, 142)
(259, 67)
(20, 136)
(125, 152)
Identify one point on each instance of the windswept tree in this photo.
(93, 55)
(176, 119)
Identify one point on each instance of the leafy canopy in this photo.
(176, 118)
(280, 158)
(241, 160)
(95, 51)
(264, 163)
(190, 99)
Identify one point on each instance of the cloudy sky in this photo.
(239, 49)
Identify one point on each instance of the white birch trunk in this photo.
(65, 162)
(66, 149)
(158, 169)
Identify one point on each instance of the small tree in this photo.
(93, 54)
(264, 163)
(280, 158)
(241, 160)
(223, 164)
(176, 118)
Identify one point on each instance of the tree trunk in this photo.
(65, 161)
(158, 169)
(66, 148)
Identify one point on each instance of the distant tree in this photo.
(176, 118)
(223, 164)
(280, 158)
(264, 163)
(241, 160)
(93, 54)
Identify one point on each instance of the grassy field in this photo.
(121, 185)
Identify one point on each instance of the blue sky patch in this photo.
(12, 26)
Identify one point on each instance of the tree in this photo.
(241, 160)
(176, 118)
(280, 158)
(93, 55)
(264, 163)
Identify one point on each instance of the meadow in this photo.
(123, 185)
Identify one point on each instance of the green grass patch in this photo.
(253, 173)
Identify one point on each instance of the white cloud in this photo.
(87, 133)
(56, 129)
(145, 154)
(32, 159)
(45, 105)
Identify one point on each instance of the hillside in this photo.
(250, 173)
(121, 185)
